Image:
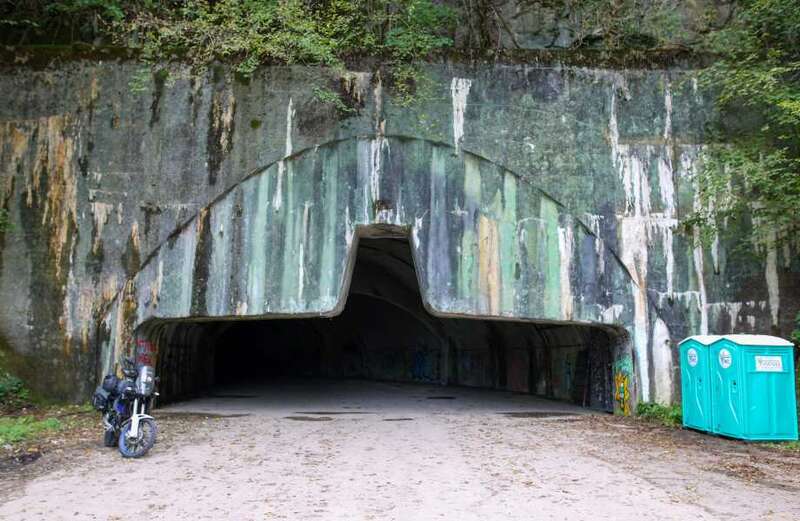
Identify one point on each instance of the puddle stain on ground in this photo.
(233, 396)
(398, 419)
(332, 413)
(539, 414)
(308, 418)
(189, 415)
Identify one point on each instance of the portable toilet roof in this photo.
(745, 340)
(706, 340)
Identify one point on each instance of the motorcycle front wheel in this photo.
(137, 447)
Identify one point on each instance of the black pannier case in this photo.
(110, 383)
(100, 399)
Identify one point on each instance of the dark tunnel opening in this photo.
(384, 333)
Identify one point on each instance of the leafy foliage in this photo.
(248, 33)
(755, 174)
(245, 32)
(13, 394)
(796, 332)
(796, 340)
(670, 416)
(5, 222)
(15, 430)
(325, 95)
(624, 24)
(37, 21)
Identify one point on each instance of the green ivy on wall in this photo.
(5, 222)
(753, 174)
(244, 32)
(248, 33)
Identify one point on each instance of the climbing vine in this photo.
(753, 174)
(246, 33)
(614, 24)
(5, 222)
(796, 332)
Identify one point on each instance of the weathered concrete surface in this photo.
(544, 192)
(385, 333)
(362, 450)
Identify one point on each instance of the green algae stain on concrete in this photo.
(328, 281)
(552, 258)
(257, 246)
(438, 266)
(484, 242)
(289, 276)
(468, 280)
(509, 251)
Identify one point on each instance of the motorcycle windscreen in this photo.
(146, 381)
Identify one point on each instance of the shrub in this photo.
(5, 222)
(667, 415)
(13, 394)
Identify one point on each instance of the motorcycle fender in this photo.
(140, 416)
(134, 420)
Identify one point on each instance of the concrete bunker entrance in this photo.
(384, 333)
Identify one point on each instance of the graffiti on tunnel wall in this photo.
(145, 352)
(623, 369)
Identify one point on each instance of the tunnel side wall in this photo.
(545, 177)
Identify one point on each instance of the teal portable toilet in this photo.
(753, 387)
(696, 381)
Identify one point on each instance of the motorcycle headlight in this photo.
(146, 381)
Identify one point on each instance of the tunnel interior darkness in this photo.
(385, 333)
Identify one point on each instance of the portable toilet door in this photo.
(695, 382)
(726, 388)
(769, 403)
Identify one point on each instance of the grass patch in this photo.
(23, 428)
(669, 416)
(793, 446)
(25, 420)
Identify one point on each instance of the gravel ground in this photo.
(368, 450)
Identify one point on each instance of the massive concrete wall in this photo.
(543, 192)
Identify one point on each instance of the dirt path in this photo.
(359, 450)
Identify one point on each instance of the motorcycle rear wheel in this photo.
(138, 447)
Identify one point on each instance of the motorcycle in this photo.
(126, 403)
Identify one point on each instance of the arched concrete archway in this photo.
(385, 333)
(485, 243)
